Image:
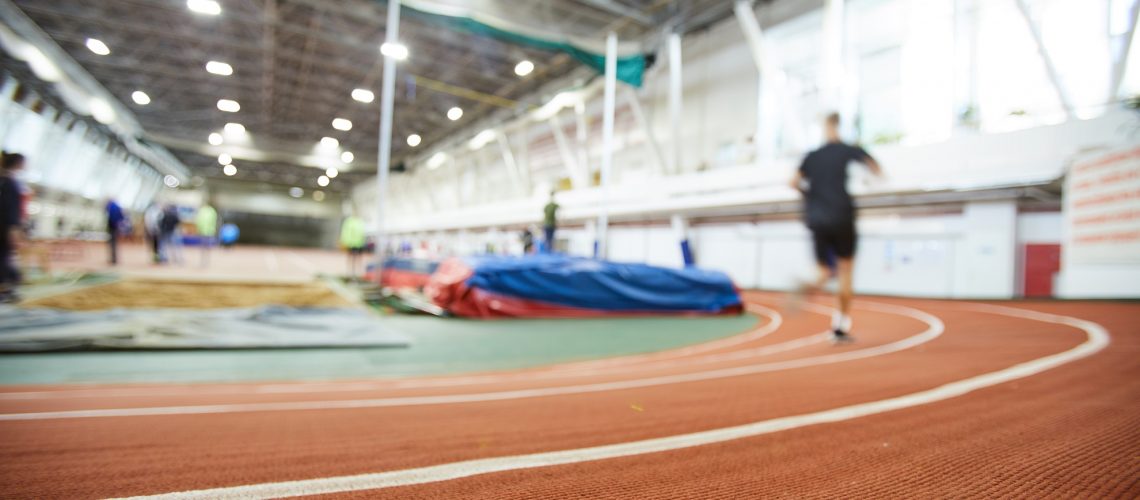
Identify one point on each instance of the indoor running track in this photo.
(937, 398)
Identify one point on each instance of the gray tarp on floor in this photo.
(32, 330)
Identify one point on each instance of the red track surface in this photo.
(1073, 430)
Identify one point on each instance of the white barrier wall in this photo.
(967, 254)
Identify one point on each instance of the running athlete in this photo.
(829, 213)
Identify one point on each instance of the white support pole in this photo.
(1054, 77)
(577, 177)
(676, 93)
(607, 143)
(387, 97)
(639, 115)
(751, 27)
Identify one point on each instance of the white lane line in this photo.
(1097, 339)
(776, 320)
(934, 329)
(271, 260)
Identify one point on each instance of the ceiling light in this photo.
(209, 7)
(481, 139)
(234, 128)
(229, 170)
(414, 140)
(140, 98)
(318, 195)
(454, 113)
(332, 172)
(171, 181)
(397, 51)
(219, 68)
(216, 139)
(101, 111)
(347, 157)
(322, 181)
(40, 64)
(524, 68)
(341, 124)
(98, 46)
(436, 160)
(363, 95)
(225, 159)
(228, 105)
(329, 142)
(296, 192)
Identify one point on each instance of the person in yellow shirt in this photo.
(352, 239)
(207, 224)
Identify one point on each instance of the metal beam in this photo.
(1054, 77)
(1122, 49)
(620, 10)
(573, 170)
(650, 137)
(522, 179)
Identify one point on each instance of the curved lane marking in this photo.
(935, 328)
(1097, 339)
(554, 371)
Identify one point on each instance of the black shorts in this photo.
(833, 241)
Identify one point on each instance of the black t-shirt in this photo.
(827, 202)
(11, 206)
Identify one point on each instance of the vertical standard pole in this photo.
(681, 229)
(607, 143)
(387, 97)
(676, 89)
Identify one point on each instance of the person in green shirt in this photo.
(352, 239)
(207, 224)
(549, 223)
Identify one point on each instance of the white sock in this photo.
(840, 321)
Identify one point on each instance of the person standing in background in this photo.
(549, 222)
(12, 217)
(152, 221)
(207, 223)
(527, 238)
(352, 238)
(115, 219)
(171, 235)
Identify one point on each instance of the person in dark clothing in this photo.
(115, 220)
(11, 217)
(829, 213)
(171, 235)
(527, 238)
(549, 223)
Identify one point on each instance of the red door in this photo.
(1042, 261)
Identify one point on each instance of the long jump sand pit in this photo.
(157, 294)
(178, 315)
